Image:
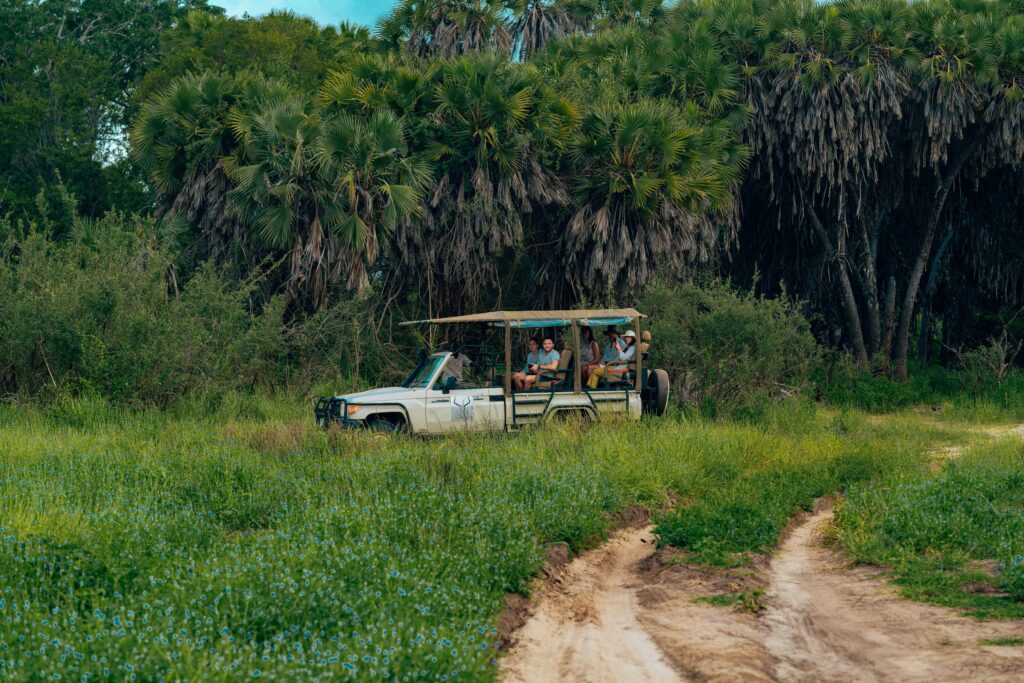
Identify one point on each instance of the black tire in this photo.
(382, 425)
(658, 386)
(579, 416)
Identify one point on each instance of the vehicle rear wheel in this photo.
(574, 416)
(658, 386)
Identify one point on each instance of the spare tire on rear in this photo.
(657, 392)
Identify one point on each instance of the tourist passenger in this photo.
(547, 361)
(614, 346)
(590, 353)
(616, 355)
(532, 361)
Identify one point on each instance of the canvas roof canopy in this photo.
(596, 316)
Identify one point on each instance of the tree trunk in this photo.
(870, 287)
(926, 298)
(890, 316)
(853, 323)
(900, 354)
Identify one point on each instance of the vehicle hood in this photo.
(385, 395)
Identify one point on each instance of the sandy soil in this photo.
(826, 620)
(626, 613)
(585, 627)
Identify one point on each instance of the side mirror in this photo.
(449, 384)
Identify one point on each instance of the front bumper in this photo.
(333, 410)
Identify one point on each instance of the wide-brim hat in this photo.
(628, 333)
(611, 330)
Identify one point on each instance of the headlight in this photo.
(352, 409)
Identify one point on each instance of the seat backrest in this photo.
(564, 358)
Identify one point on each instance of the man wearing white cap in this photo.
(615, 354)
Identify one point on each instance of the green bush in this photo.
(726, 349)
(351, 342)
(101, 314)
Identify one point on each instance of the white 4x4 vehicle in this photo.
(433, 401)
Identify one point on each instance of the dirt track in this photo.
(828, 621)
(621, 613)
(586, 626)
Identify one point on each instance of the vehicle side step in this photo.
(530, 408)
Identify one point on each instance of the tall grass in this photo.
(207, 546)
(955, 537)
(952, 394)
(744, 499)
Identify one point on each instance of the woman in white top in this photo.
(627, 354)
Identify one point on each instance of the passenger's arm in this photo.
(553, 365)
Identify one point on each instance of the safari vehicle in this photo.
(428, 402)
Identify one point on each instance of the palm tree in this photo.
(397, 83)
(179, 138)
(538, 23)
(447, 28)
(649, 181)
(489, 126)
(323, 192)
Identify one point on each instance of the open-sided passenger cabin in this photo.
(490, 394)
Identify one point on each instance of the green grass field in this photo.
(954, 537)
(147, 546)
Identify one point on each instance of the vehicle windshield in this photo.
(422, 378)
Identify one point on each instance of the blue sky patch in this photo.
(326, 12)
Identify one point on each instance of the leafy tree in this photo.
(66, 72)
(278, 45)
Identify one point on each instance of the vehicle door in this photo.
(468, 409)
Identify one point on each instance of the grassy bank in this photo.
(955, 537)
(195, 546)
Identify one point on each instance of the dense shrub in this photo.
(840, 381)
(725, 348)
(353, 341)
(100, 313)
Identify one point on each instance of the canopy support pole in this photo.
(638, 355)
(508, 359)
(577, 384)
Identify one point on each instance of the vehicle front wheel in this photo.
(382, 425)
